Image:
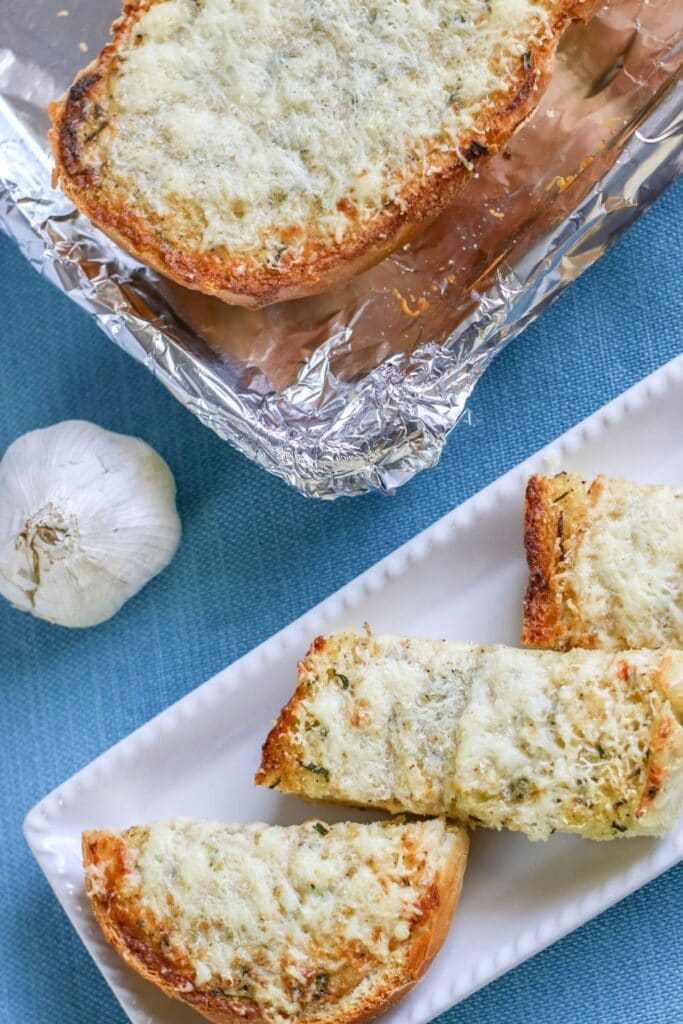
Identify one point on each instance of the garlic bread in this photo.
(268, 924)
(262, 150)
(588, 742)
(605, 564)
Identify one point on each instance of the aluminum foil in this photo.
(358, 388)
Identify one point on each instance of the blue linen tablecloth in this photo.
(256, 555)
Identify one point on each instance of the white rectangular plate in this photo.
(463, 578)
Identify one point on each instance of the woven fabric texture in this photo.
(256, 555)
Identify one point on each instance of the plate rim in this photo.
(665, 855)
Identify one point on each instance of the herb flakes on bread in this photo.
(588, 742)
(273, 924)
(261, 150)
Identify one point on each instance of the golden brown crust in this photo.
(555, 508)
(428, 940)
(540, 542)
(322, 267)
(171, 973)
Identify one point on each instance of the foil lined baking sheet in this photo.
(358, 388)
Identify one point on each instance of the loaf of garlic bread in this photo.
(605, 563)
(309, 923)
(263, 150)
(588, 742)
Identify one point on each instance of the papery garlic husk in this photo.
(87, 518)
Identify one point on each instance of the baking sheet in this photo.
(359, 388)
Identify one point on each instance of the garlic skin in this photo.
(87, 517)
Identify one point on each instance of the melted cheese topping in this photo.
(626, 572)
(556, 742)
(244, 123)
(287, 918)
(386, 738)
(530, 740)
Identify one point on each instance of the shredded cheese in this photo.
(252, 125)
(287, 918)
(626, 572)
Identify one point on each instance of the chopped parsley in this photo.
(317, 769)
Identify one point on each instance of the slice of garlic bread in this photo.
(536, 741)
(262, 923)
(605, 563)
(263, 150)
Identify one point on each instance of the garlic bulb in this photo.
(87, 517)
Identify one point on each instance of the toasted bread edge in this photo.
(427, 937)
(331, 264)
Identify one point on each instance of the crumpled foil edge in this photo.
(396, 420)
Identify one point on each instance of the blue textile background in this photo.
(254, 556)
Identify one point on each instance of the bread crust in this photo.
(322, 265)
(553, 506)
(172, 974)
